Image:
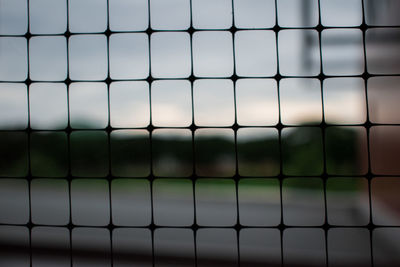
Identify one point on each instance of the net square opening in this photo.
(212, 54)
(48, 106)
(129, 56)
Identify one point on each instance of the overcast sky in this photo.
(249, 53)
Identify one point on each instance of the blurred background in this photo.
(199, 133)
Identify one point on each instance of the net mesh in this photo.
(240, 135)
